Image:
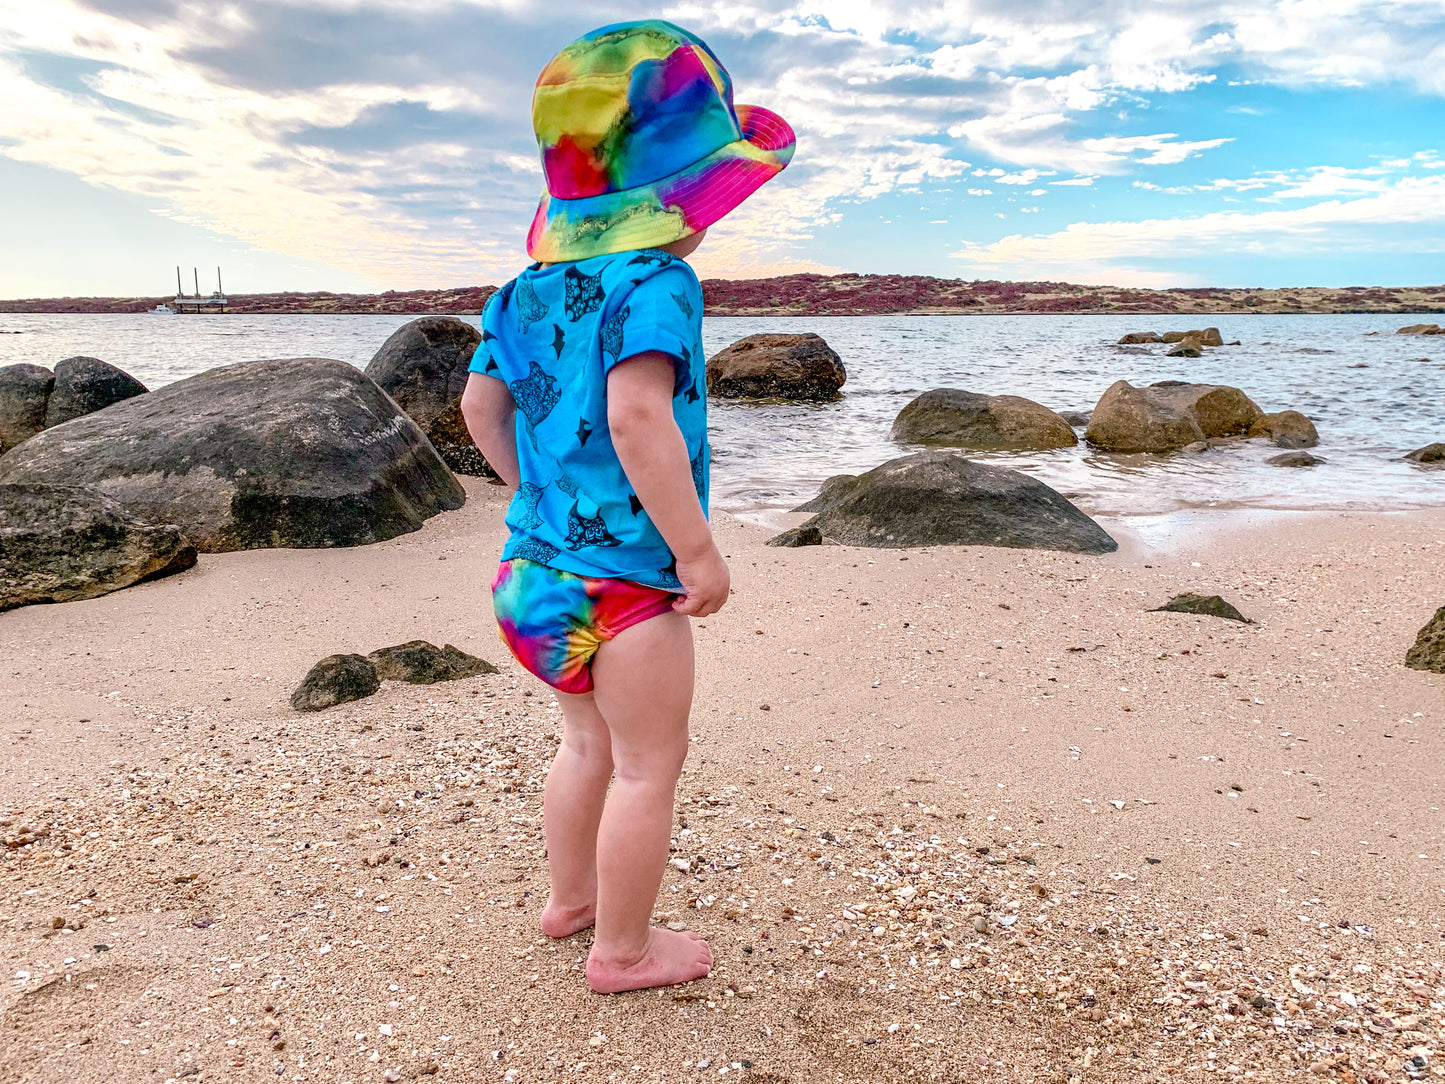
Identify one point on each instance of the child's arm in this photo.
(654, 457)
(491, 418)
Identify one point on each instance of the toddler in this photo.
(588, 396)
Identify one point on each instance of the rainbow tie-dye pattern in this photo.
(553, 622)
(641, 142)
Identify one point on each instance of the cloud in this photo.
(1406, 217)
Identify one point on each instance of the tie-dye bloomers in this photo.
(554, 621)
(641, 142)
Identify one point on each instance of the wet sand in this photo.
(950, 814)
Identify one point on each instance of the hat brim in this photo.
(669, 209)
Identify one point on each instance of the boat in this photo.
(162, 310)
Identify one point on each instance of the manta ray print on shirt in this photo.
(535, 394)
(528, 495)
(612, 333)
(529, 306)
(590, 530)
(584, 293)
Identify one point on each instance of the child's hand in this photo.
(705, 584)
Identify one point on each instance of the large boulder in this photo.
(1168, 415)
(940, 498)
(1287, 428)
(302, 452)
(1134, 338)
(774, 366)
(1428, 652)
(84, 385)
(1430, 453)
(1208, 336)
(1422, 329)
(24, 391)
(423, 366)
(59, 543)
(966, 419)
(1126, 419)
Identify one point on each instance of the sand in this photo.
(951, 814)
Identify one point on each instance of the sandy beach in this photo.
(951, 814)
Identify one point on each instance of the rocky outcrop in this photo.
(965, 419)
(1205, 605)
(1431, 453)
(421, 663)
(24, 391)
(84, 385)
(1134, 338)
(334, 680)
(60, 543)
(1287, 428)
(773, 366)
(1168, 416)
(1428, 652)
(1422, 329)
(1207, 337)
(940, 498)
(423, 366)
(1295, 459)
(1186, 348)
(301, 453)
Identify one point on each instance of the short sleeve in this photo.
(483, 359)
(663, 312)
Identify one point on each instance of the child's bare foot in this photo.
(670, 957)
(565, 921)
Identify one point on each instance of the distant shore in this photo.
(841, 295)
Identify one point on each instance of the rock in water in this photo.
(1294, 459)
(1219, 410)
(334, 680)
(941, 498)
(84, 385)
(966, 419)
(24, 392)
(1134, 338)
(1287, 428)
(1127, 420)
(423, 366)
(1422, 329)
(776, 367)
(798, 536)
(1205, 605)
(1429, 650)
(421, 663)
(62, 543)
(1431, 453)
(1187, 348)
(302, 453)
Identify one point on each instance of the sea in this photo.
(1373, 395)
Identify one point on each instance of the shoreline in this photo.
(948, 810)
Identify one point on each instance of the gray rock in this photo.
(1186, 349)
(423, 366)
(1295, 459)
(772, 366)
(940, 498)
(24, 391)
(421, 663)
(797, 536)
(300, 453)
(1218, 409)
(1287, 428)
(1431, 453)
(334, 680)
(62, 543)
(1428, 652)
(966, 419)
(1136, 337)
(1204, 605)
(84, 385)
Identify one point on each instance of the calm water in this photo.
(1373, 396)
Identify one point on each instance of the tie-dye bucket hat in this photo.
(641, 142)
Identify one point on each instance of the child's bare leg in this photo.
(643, 687)
(571, 809)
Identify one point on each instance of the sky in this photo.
(360, 145)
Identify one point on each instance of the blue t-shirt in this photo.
(552, 335)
